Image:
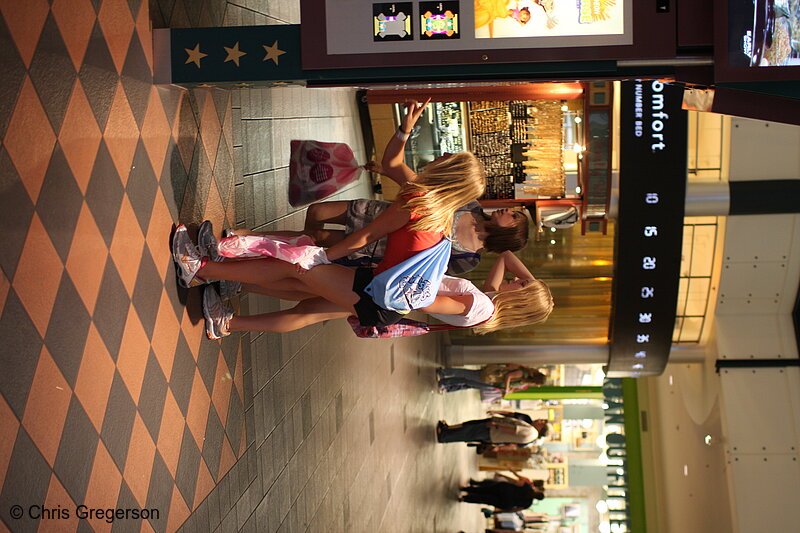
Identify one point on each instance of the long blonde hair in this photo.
(441, 188)
(521, 307)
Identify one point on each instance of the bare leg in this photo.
(288, 294)
(323, 213)
(321, 237)
(332, 282)
(303, 314)
(328, 237)
(317, 215)
(286, 233)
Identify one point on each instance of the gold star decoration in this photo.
(195, 55)
(234, 54)
(273, 52)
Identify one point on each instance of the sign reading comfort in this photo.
(651, 202)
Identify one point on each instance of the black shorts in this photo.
(368, 312)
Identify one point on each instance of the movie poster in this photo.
(547, 18)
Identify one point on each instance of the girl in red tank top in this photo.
(415, 222)
(404, 243)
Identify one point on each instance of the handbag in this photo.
(559, 217)
(319, 169)
(413, 283)
(404, 328)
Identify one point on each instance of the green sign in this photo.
(625, 450)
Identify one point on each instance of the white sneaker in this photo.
(217, 315)
(229, 289)
(187, 257)
(207, 242)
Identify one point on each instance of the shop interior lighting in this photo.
(670, 380)
(552, 241)
(577, 148)
(578, 120)
(601, 506)
(578, 190)
(564, 108)
(707, 439)
(552, 229)
(686, 470)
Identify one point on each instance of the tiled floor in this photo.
(110, 395)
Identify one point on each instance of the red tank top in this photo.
(404, 243)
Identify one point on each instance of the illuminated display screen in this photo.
(391, 21)
(448, 32)
(652, 192)
(764, 33)
(547, 18)
(439, 20)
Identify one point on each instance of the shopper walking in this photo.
(493, 430)
(506, 494)
(507, 378)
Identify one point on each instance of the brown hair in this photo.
(500, 239)
(535, 378)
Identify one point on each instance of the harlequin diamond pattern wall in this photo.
(110, 395)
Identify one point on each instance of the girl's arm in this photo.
(393, 163)
(515, 265)
(496, 274)
(450, 305)
(390, 220)
(510, 376)
(507, 261)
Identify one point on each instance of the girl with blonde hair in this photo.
(327, 292)
(437, 194)
(521, 301)
(416, 222)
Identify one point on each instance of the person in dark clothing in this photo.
(488, 430)
(511, 495)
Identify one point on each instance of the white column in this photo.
(707, 199)
(553, 354)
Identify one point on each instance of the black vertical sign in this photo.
(652, 192)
